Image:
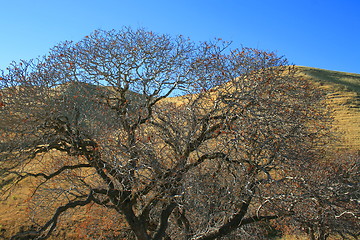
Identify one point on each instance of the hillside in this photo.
(343, 96)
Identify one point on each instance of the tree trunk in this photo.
(136, 225)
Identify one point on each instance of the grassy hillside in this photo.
(343, 96)
(349, 81)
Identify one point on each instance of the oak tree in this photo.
(180, 140)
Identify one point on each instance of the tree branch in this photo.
(51, 224)
(232, 224)
(47, 177)
(165, 214)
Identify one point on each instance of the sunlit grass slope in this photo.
(343, 96)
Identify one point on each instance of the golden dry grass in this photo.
(343, 96)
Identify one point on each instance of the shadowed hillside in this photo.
(351, 81)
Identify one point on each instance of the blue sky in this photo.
(317, 33)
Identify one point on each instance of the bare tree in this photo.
(96, 122)
(330, 198)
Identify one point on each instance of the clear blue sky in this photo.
(316, 33)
